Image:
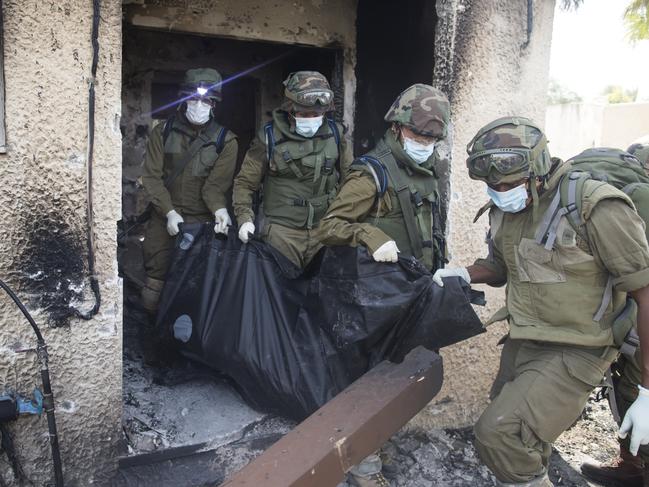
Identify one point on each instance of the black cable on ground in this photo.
(48, 397)
(90, 237)
(7, 444)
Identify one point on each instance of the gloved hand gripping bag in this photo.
(291, 339)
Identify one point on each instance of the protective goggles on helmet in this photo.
(311, 98)
(504, 161)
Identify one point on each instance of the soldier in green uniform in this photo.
(627, 469)
(188, 169)
(299, 160)
(560, 307)
(390, 200)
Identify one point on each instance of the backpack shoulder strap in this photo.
(167, 128)
(334, 130)
(567, 201)
(405, 196)
(269, 134)
(220, 140)
(378, 172)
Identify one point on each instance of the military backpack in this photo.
(622, 171)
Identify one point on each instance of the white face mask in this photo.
(418, 152)
(198, 112)
(307, 127)
(511, 201)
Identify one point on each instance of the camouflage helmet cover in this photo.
(641, 152)
(203, 77)
(511, 133)
(298, 88)
(423, 109)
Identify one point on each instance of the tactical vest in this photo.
(555, 288)
(302, 176)
(414, 199)
(186, 188)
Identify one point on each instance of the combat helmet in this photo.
(202, 83)
(307, 91)
(423, 109)
(507, 150)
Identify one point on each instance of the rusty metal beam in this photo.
(354, 424)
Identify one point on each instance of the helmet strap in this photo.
(535, 195)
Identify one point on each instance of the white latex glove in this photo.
(245, 231)
(387, 252)
(173, 220)
(636, 421)
(457, 271)
(222, 221)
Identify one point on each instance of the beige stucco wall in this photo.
(42, 237)
(573, 127)
(482, 64)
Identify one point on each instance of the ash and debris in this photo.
(191, 405)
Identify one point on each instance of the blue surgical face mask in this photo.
(418, 152)
(307, 127)
(511, 201)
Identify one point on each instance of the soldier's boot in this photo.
(368, 473)
(625, 471)
(542, 481)
(156, 349)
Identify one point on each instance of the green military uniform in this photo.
(299, 176)
(196, 193)
(626, 374)
(629, 371)
(560, 344)
(390, 196)
(357, 217)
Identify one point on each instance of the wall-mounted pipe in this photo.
(48, 397)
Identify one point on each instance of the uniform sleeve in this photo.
(617, 237)
(494, 260)
(353, 203)
(219, 180)
(248, 181)
(153, 173)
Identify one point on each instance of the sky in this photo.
(590, 50)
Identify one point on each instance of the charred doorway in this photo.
(153, 66)
(395, 49)
(161, 410)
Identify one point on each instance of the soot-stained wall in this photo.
(43, 253)
(484, 63)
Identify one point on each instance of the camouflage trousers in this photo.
(158, 245)
(157, 249)
(627, 374)
(298, 245)
(540, 391)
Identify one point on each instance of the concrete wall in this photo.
(482, 64)
(43, 234)
(573, 127)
